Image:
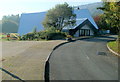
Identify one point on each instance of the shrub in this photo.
(48, 34)
(69, 36)
(56, 35)
(29, 36)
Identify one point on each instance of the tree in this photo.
(112, 15)
(59, 17)
(100, 21)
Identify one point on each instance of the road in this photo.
(25, 59)
(87, 59)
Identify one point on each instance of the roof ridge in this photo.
(82, 19)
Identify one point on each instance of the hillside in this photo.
(92, 8)
(10, 24)
(0, 26)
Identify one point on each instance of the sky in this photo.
(8, 7)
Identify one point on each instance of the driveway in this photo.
(25, 59)
(87, 59)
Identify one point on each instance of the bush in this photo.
(48, 34)
(29, 36)
(69, 36)
(56, 35)
(52, 35)
(42, 34)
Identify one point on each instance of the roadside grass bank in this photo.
(113, 45)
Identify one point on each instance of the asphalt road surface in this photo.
(87, 59)
(25, 59)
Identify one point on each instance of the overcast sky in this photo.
(8, 7)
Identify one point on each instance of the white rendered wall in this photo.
(76, 34)
(87, 27)
(84, 27)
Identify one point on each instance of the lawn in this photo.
(113, 45)
(3, 37)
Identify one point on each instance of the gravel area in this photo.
(25, 59)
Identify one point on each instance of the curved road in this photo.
(87, 59)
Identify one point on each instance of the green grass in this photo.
(5, 38)
(2, 35)
(113, 45)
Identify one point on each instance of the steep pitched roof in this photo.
(78, 22)
(86, 22)
(30, 20)
(81, 16)
(84, 13)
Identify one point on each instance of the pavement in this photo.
(85, 59)
(25, 60)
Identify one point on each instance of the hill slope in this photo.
(10, 24)
(92, 8)
(0, 26)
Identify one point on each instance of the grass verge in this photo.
(113, 45)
